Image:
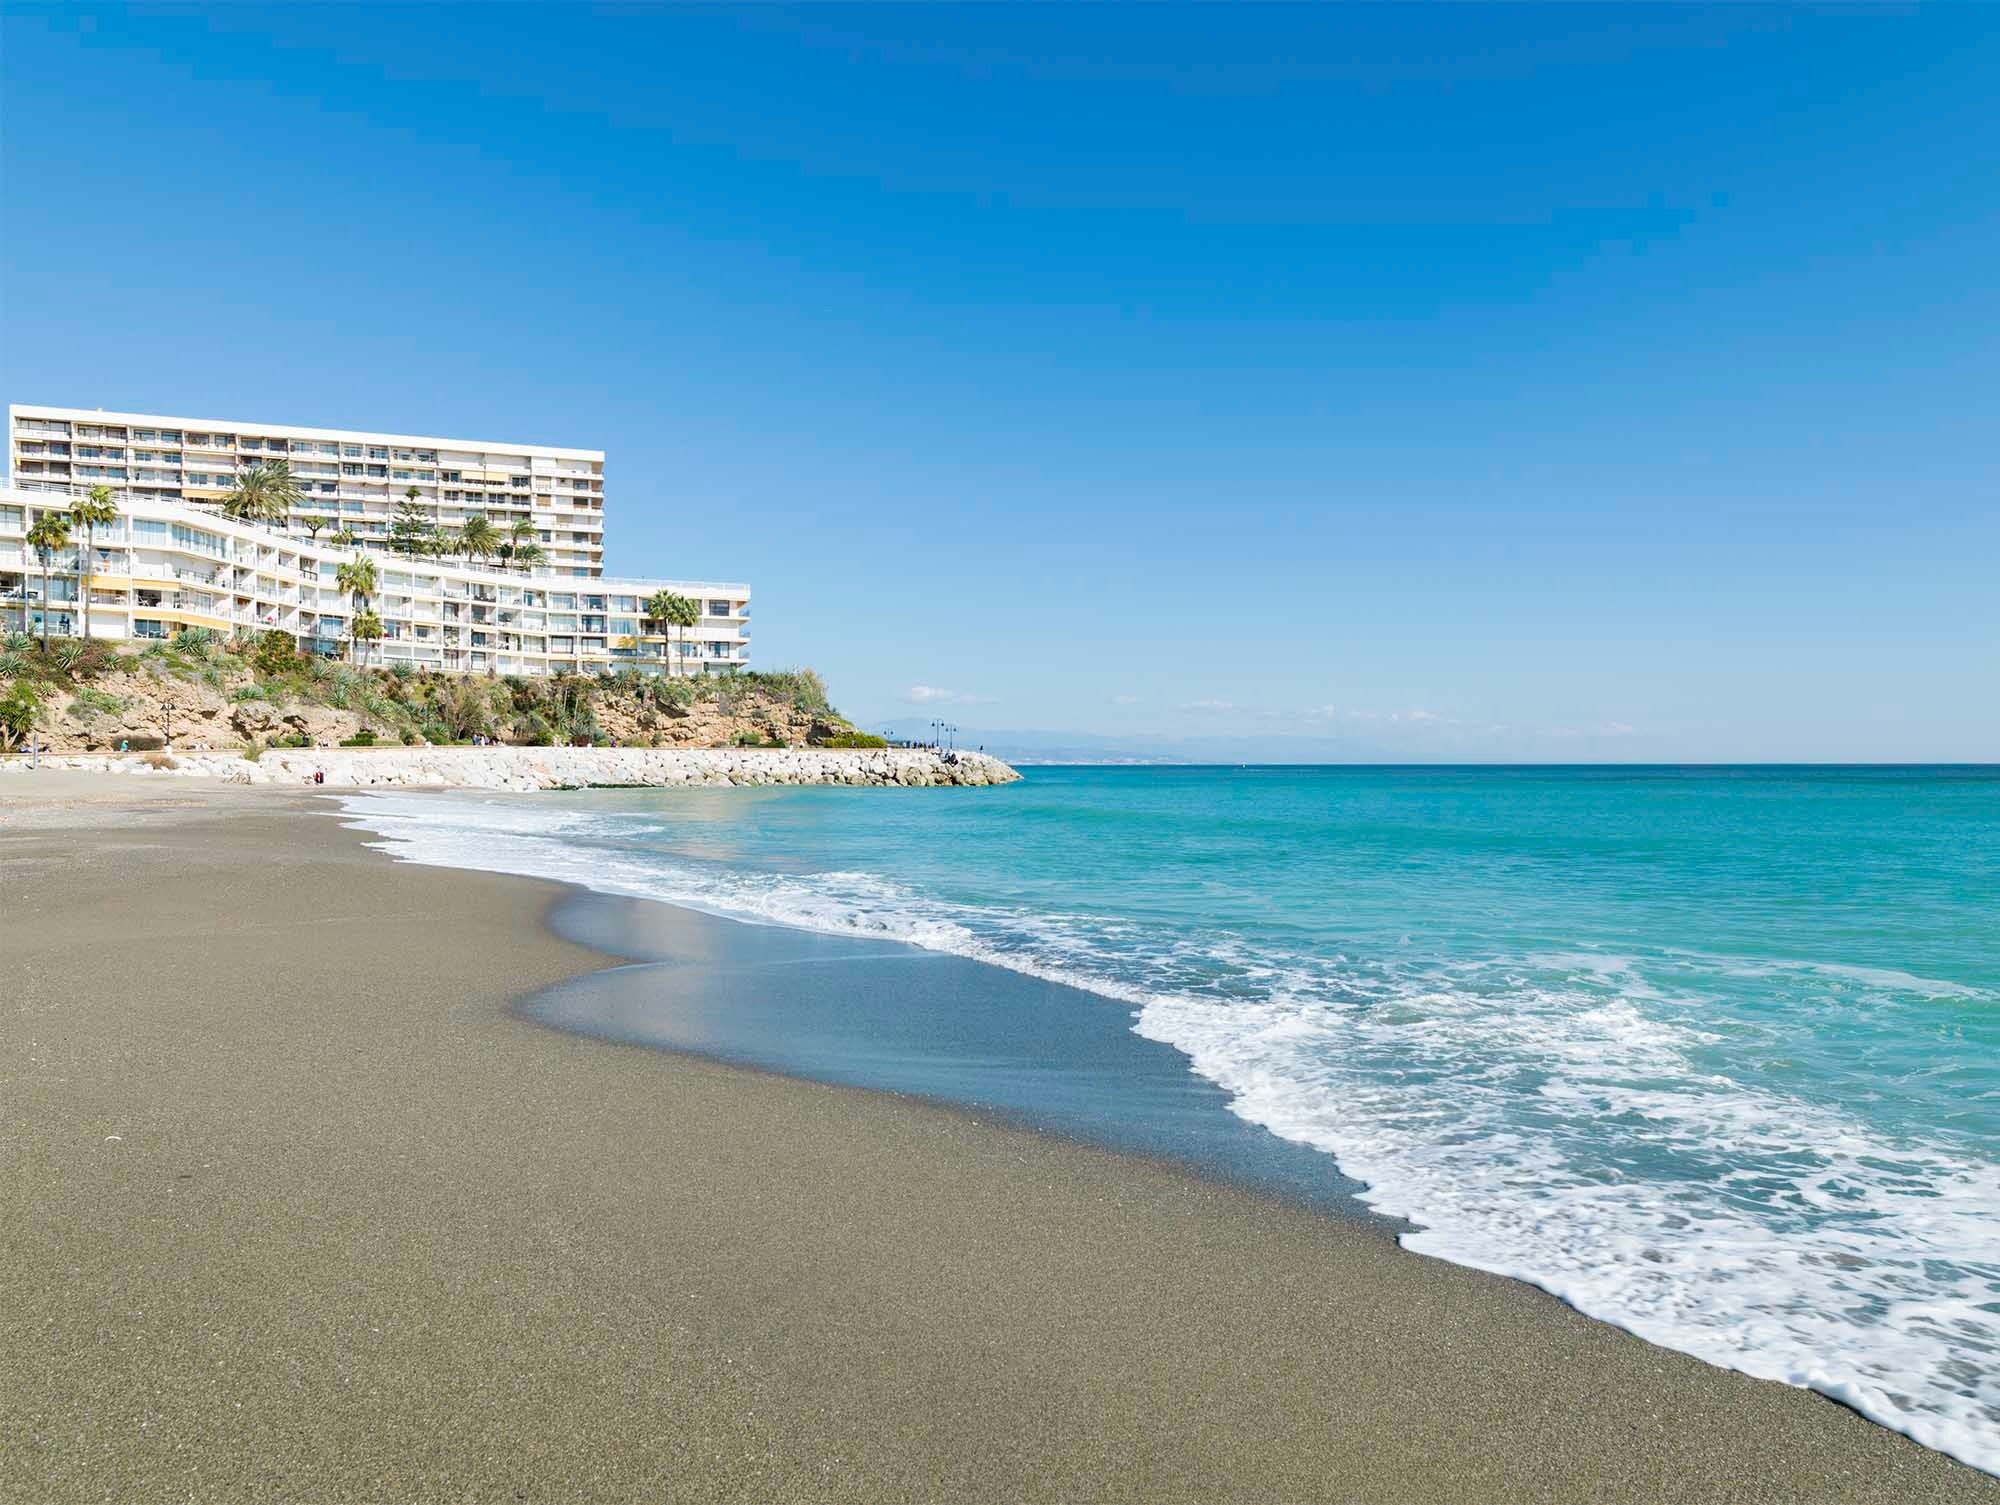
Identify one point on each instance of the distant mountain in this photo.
(1032, 747)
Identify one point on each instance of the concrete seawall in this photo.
(522, 769)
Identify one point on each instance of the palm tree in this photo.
(312, 525)
(478, 538)
(683, 613)
(366, 628)
(344, 539)
(519, 533)
(263, 493)
(660, 607)
(48, 537)
(357, 577)
(528, 555)
(90, 513)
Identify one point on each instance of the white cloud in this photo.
(933, 695)
(1125, 699)
(1602, 729)
(1209, 705)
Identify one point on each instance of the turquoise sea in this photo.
(1711, 1053)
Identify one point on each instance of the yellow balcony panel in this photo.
(204, 493)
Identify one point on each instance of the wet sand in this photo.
(295, 1206)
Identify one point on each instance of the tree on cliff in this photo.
(48, 537)
(366, 628)
(357, 578)
(90, 513)
(671, 610)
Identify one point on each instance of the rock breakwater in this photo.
(525, 769)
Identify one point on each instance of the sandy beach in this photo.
(295, 1206)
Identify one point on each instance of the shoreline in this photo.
(284, 1217)
(710, 961)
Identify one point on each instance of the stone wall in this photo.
(523, 769)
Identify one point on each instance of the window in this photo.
(148, 627)
(350, 451)
(377, 452)
(718, 608)
(378, 472)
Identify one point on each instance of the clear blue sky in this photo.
(1429, 381)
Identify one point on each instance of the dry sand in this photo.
(293, 1208)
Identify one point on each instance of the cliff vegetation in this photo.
(199, 691)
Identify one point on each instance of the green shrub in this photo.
(96, 702)
(362, 738)
(20, 708)
(250, 692)
(276, 653)
(253, 752)
(410, 738)
(855, 739)
(292, 739)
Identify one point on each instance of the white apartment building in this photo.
(349, 479)
(174, 560)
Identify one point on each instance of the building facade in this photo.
(174, 560)
(348, 479)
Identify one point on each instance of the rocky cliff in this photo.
(196, 694)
